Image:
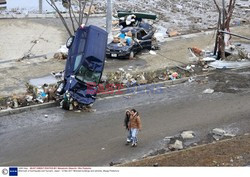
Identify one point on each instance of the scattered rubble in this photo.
(129, 79)
(60, 56)
(177, 145)
(218, 134)
(62, 53)
(208, 91)
(187, 135)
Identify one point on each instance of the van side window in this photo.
(82, 42)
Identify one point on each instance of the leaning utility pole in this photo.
(222, 49)
(40, 6)
(109, 19)
(225, 16)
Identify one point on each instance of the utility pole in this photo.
(223, 29)
(109, 20)
(40, 6)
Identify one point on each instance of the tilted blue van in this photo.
(84, 66)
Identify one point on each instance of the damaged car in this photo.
(130, 41)
(84, 67)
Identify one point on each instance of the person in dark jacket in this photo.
(126, 125)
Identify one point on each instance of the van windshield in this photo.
(87, 76)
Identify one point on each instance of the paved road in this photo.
(70, 138)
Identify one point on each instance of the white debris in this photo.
(167, 138)
(188, 67)
(179, 6)
(46, 116)
(159, 37)
(161, 34)
(152, 52)
(208, 59)
(125, 82)
(229, 64)
(187, 134)
(217, 137)
(229, 135)
(191, 79)
(15, 103)
(178, 145)
(121, 69)
(218, 131)
(104, 78)
(63, 49)
(208, 91)
(29, 98)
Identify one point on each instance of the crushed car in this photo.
(84, 67)
(131, 40)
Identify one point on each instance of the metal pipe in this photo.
(233, 34)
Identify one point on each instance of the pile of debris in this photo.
(176, 143)
(34, 95)
(237, 57)
(135, 79)
(219, 134)
(62, 53)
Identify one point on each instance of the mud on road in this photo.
(231, 81)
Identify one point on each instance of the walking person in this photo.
(134, 126)
(126, 125)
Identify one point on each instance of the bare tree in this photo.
(225, 16)
(76, 13)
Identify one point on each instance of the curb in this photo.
(28, 108)
(102, 95)
(140, 87)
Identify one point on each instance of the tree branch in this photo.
(89, 12)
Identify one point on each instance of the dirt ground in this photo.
(231, 152)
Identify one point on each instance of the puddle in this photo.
(30, 6)
(43, 80)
